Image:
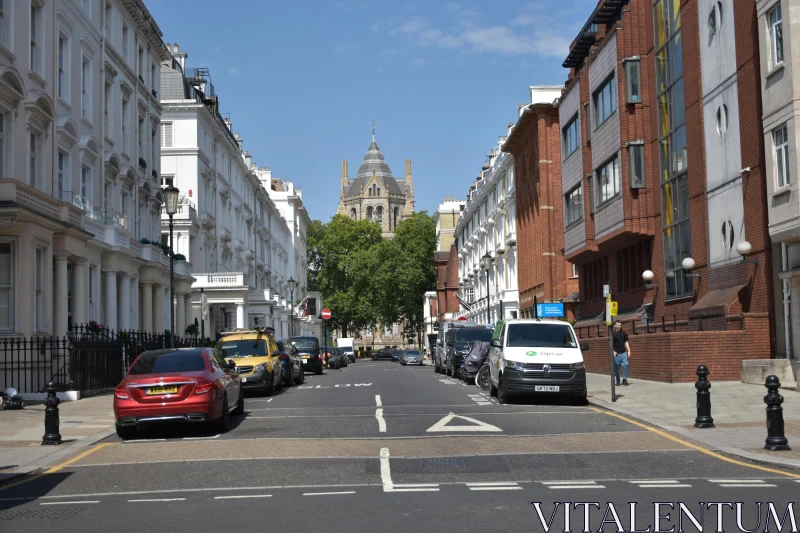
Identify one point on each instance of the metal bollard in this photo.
(51, 421)
(776, 440)
(703, 419)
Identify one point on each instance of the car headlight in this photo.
(515, 365)
(259, 368)
(577, 366)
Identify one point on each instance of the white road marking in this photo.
(650, 481)
(660, 484)
(490, 483)
(378, 402)
(572, 485)
(416, 485)
(478, 426)
(201, 438)
(70, 503)
(142, 440)
(735, 485)
(243, 496)
(328, 493)
(737, 481)
(412, 490)
(386, 472)
(495, 488)
(159, 500)
(270, 400)
(381, 421)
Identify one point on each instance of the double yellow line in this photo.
(58, 467)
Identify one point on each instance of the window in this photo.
(781, 140)
(39, 296)
(369, 213)
(87, 7)
(86, 80)
(593, 276)
(62, 167)
(574, 270)
(125, 42)
(141, 64)
(109, 21)
(570, 137)
(2, 22)
(153, 147)
(106, 106)
(152, 75)
(167, 181)
(380, 214)
(33, 155)
(92, 277)
(35, 12)
(86, 183)
(124, 124)
(633, 81)
(7, 303)
(636, 165)
(715, 20)
(141, 134)
(2, 144)
(722, 119)
(573, 205)
(775, 21)
(605, 101)
(631, 263)
(608, 181)
(62, 82)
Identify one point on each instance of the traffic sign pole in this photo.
(607, 290)
(326, 315)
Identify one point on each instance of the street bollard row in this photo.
(776, 439)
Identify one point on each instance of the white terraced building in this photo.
(242, 248)
(79, 167)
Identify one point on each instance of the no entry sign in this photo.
(326, 314)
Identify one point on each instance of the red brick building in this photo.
(446, 284)
(544, 274)
(663, 166)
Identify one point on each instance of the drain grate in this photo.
(444, 463)
(50, 514)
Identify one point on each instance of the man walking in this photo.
(622, 351)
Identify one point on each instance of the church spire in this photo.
(373, 130)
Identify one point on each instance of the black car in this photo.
(396, 355)
(385, 354)
(308, 348)
(460, 341)
(291, 362)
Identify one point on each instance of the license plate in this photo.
(305, 356)
(161, 390)
(546, 388)
(244, 380)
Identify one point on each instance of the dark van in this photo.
(459, 341)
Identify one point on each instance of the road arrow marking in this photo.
(441, 425)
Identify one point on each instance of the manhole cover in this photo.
(25, 514)
(444, 463)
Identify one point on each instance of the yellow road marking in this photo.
(58, 467)
(694, 446)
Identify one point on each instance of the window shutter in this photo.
(166, 135)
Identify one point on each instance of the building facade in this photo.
(545, 276)
(663, 223)
(446, 219)
(80, 167)
(487, 232)
(375, 194)
(239, 243)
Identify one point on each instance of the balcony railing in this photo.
(15, 191)
(186, 210)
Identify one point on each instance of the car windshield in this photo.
(412, 352)
(164, 363)
(468, 336)
(304, 344)
(243, 348)
(540, 335)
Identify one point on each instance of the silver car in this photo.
(411, 357)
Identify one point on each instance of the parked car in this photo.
(254, 354)
(343, 362)
(459, 341)
(439, 355)
(537, 356)
(183, 385)
(396, 355)
(331, 357)
(292, 363)
(308, 348)
(384, 354)
(411, 357)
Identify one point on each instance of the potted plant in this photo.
(192, 329)
(180, 257)
(94, 327)
(142, 162)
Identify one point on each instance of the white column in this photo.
(110, 298)
(188, 316)
(134, 290)
(240, 316)
(124, 310)
(158, 309)
(60, 295)
(180, 314)
(147, 306)
(80, 295)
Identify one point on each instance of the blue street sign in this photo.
(550, 310)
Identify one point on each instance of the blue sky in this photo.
(302, 81)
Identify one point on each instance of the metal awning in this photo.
(586, 37)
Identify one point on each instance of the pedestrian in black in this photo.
(622, 351)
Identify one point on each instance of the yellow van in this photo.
(254, 352)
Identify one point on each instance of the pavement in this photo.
(379, 446)
(738, 410)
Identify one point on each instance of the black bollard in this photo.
(703, 419)
(51, 421)
(776, 440)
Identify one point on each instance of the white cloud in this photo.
(345, 48)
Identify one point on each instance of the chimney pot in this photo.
(176, 48)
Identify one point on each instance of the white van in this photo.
(536, 356)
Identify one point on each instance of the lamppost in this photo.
(171, 207)
(487, 264)
(291, 284)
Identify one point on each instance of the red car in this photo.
(181, 385)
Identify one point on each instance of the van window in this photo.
(468, 336)
(540, 335)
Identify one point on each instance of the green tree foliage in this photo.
(365, 279)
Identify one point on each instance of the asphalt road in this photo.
(377, 446)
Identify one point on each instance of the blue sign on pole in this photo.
(554, 310)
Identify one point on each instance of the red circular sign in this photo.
(462, 319)
(326, 313)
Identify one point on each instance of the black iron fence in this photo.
(88, 359)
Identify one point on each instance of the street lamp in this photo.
(647, 276)
(487, 264)
(744, 248)
(688, 264)
(291, 284)
(171, 207)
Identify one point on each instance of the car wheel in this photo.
(224, 422)
(492, 389)
(269, 388)
(319, 370)
(302, 376)
(289, 381)
(581, 399)
(126, 432)
(502, 396)
(240, 406)
(279, 384)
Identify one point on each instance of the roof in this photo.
(374, 162)
(245, 334)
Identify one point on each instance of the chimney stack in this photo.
(179, 56)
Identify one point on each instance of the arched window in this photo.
(380, 214)
(396, 216)
(353, 214)
(379, 191)
(369, 213)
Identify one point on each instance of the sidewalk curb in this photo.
(708, 441)
(58, 455)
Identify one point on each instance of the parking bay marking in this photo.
(337, 386)
(477, 426)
